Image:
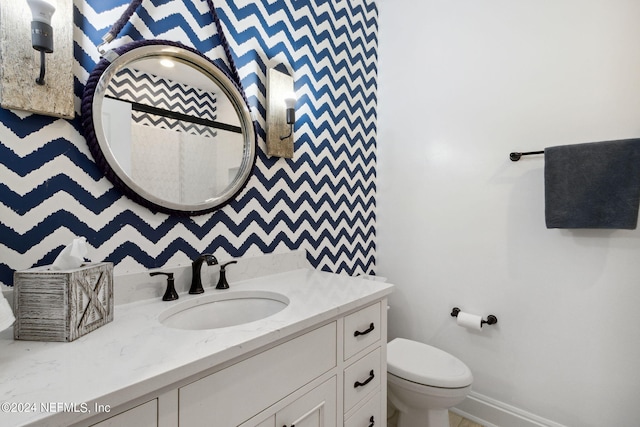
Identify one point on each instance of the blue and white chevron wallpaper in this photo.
(322, 201)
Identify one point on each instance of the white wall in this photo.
(462, 84)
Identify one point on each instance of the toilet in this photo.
(424, 382)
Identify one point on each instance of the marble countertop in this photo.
(136, 355)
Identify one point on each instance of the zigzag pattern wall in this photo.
(322, 201)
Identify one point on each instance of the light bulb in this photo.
(41, 30)
(290, 101)
(42, 10)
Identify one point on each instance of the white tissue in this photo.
(72, 256)
(6, 315)
(470, 321)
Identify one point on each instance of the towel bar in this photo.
(515, 156)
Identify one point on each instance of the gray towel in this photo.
(593, 185)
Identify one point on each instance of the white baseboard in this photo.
(493, 413)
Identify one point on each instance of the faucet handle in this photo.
(222, 281)
(170, 294)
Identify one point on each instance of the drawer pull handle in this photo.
(365, 332)
(367, 381)
(371, 421)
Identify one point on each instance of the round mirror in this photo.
(168, 127)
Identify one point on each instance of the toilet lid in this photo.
(423, 364)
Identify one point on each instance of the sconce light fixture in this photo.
(24, 45)
(281, 113)
(41, 30)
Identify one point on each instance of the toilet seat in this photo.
(423, 364)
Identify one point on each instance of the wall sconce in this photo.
(41, 30)
(281, 113)
(20, 64)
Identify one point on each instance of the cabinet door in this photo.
(315, 409)
(145, 415)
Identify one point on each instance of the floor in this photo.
(456, 420)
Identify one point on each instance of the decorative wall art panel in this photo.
(322, 200)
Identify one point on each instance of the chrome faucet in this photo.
(196, 266)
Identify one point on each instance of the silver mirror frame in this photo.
(94, 93)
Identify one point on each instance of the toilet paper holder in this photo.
(491, 319)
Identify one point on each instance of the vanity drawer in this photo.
(361, 378)
(361, 329)
(367, 416)
(235, 394)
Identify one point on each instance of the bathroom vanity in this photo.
(319, 361)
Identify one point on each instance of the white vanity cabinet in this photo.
(333, 375)
(330, 376)
(360, 393)
(319, 362)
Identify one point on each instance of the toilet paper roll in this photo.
(470, 321)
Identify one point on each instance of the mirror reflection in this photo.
(172, 130)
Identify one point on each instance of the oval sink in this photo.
(221, 310)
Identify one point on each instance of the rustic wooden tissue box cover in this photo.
(62, 305)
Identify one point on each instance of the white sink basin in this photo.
(220, 310)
